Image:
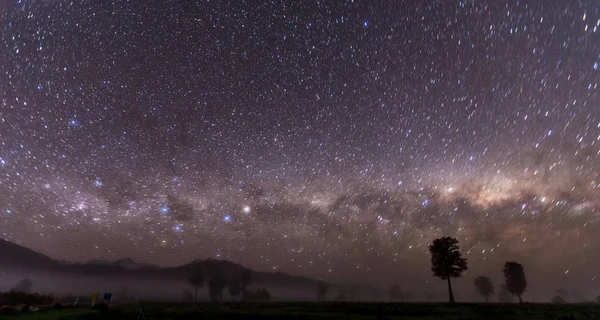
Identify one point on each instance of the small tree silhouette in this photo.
(196, 280)
(235, 288)
(563, 293)
(484, 287)
(215, 287)
(263, 295)
(24, 286)
(322, 289)
(447, 261)
(514, 276)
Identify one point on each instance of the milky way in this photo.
(324, 138)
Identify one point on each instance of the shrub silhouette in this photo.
(562, 293)
(514, 276)
(263, 295)
(447, 261)
(258, 295)
(484, 287)
(197, 281)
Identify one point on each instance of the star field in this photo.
(333, 139)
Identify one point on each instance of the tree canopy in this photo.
(484, 287)
(447, 261)
(514, 276)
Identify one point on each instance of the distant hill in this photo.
(16, 257)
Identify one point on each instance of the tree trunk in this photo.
(450, 290)
(486, 299)
(520, 299)
(196, 295)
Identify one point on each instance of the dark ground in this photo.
(308, 310)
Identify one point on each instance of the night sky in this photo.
(332, 139)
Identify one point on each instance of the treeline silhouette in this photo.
(237, 286)
(447, 262)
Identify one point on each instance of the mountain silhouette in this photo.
(15, 256)
(22, 259)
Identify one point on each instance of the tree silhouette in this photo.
(322, 289)
(215, 287)
(235, 288)
(196, 280)
(395, 294)
(263, 295)
(514, 276)
(563, 293)
(484, 287)
(447, 261)
(24, 286)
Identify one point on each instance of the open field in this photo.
(163, 311)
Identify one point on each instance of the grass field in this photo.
(162, 311)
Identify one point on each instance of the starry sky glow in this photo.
(333, 139)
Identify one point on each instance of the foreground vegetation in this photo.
(308, 310)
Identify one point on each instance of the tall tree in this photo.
(235, 288)
(447, 261)
(484, 287)
(322, 289)
(514, 276)
(215, 287)
(197, 281)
